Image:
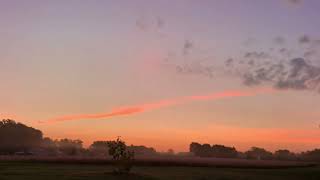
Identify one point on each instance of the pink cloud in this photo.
(131, 110)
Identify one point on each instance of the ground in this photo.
(60, 171)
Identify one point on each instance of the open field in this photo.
(166, 161)
(80, 169)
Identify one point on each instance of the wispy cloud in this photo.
(145, 23)
(294, 2)
(140, 108)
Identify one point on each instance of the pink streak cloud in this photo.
(131, 110)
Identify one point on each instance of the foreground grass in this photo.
(55, 171)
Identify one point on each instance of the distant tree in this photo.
(47, 142)
(284, 154)
(258, 153)
(206, 150)
(49, 146)
(221, 151)
(170, 152)
(313, 155)
(18, 137)
(195, 148)
(69, 146)
(142, 150)
(121, 155)
(99, 148)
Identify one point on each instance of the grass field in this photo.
(61, 171)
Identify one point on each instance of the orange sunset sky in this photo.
(164, 73)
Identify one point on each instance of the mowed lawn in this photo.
(60, 171)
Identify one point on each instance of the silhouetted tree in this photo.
(49, 146)
(18, 137)
(221, 151)
(69, 146)
(313, 155)
(142, 150)
(284, 154)
(195, 148)
(99, 148)
(206, 150)
(258, 153)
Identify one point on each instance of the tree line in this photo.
(221, 151)
(19, 139)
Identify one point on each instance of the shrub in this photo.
(121, 155)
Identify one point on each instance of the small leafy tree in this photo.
(121, 155)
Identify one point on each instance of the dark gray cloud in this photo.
(282, 68)
(304, 39)
(310, 53)
(279, 68)
(196, 69)
(145, 23)
(296, 74)
(250, 41)
(294, 2)
(160, 23)
(187, 46)
(279, 40)
(316, 42)
(285, 53)
(250, 80)
(265, 74)
(229, 62)
(256, 55)
(283, 50)
(142, 24)
(190, 61)
(301, 76)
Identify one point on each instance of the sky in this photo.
(164, 73)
